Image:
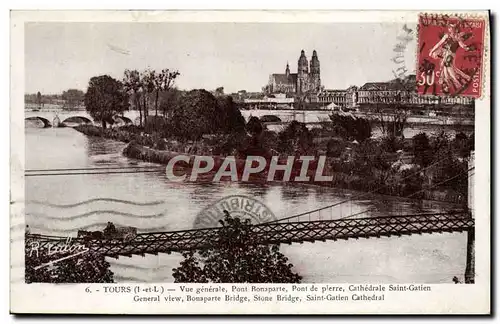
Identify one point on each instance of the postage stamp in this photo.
(450, 55)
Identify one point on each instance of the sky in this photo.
(236, 56)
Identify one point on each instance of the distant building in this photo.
(403, 92)
(397, 92)
(279, 101)
(303, 90)
(337, 97)
(306, 79)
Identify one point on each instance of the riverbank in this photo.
(340, 180)
(181, 203)
(150, 148)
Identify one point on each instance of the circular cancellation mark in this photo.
(238, 206)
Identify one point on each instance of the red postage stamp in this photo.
(450, 55)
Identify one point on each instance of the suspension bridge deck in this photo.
(273, 233)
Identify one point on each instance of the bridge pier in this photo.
(470, 263)
(470, 266)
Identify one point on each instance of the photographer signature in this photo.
(74, 249)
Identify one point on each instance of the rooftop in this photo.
(281, 78)
(407, 83)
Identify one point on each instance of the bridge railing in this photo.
(276, 233)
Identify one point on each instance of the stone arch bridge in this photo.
(74, 117)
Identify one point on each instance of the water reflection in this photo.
(181, 202)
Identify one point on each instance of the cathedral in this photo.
(307, 79)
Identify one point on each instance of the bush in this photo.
(254, 126)
(352, 128)
(335, 148)
(422, 150)
(201, 113)
(235, 257)
(87, 267)
(296, 138)
(391, 144)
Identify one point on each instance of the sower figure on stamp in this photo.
(446, 50)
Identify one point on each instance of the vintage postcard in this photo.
(250, 162)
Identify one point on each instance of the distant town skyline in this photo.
(236, 56)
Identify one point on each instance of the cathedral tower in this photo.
(302, 73)
(287, 70)
(315, 73)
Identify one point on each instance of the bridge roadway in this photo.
(309, 117)
(48, 115)
(274, 233)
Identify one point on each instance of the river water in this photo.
(62, 204)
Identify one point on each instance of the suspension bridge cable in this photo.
(434, 185)
(360, 195)
(91, 173)
(92, 168)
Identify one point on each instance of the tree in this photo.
(232, 119)
(397, 122)
(370, 160)
(254, 126)
(393, 119)
(73, 97)
(296, 138)
(439, 143)
(470, 142)
(132, 84)
(449, 165)
(168, 81)
(163, 81)
(147, 87)
(170, 101)
(352, 127)
(391, 144)
(236, 257)
(39, 99)
(219, 91)
(335, 147)
(201, 113)
(105, 98)
(253, 145)
(462, 145)
(422, 150)
(302, 99)
(198, 114)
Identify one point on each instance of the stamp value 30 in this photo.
(450, 55)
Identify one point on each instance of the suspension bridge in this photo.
(291, 231)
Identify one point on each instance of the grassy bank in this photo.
(346, 173)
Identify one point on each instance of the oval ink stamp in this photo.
(238, 206)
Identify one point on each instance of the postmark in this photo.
(450, 55)
(237, 206)
(406, 36)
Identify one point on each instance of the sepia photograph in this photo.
(185, 152)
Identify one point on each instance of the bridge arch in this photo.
(77, 120)
(270, 119)
(123, 120)
(46, 122)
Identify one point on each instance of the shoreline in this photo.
(341, 181)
